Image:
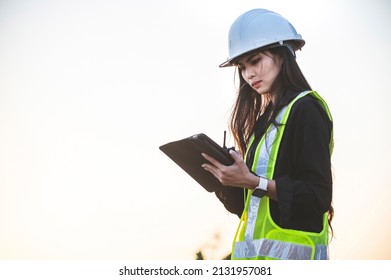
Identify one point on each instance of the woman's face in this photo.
(260, 69)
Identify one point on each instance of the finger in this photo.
(211, 169)
(212, 161)
(236, 156)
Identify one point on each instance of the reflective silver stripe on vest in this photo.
(321, 252)
(265, 150)
(252, 217)
(261, 169)
(277, 250)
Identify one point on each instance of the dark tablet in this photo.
(186, 153)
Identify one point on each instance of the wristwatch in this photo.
(261, 189)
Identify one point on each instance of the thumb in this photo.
(235, 155)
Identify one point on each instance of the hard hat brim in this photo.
(293, 44)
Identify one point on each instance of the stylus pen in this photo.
(225, 135)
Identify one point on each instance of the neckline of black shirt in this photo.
(261, 126)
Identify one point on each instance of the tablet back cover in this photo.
(186, 153)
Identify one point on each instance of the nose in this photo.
(249, 73)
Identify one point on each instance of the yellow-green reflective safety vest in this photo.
(258, 237)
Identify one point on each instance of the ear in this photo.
(279, 59)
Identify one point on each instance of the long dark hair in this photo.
(250, 106)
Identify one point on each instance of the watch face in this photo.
(259, 193)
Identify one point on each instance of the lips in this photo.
(256, 84)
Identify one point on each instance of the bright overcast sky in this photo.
(90, 89)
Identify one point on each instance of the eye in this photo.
(255, 61)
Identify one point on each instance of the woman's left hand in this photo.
(235, 175)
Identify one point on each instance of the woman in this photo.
(284, 129)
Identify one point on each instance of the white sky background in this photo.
(90, 89)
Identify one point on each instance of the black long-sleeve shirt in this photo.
(302, 172)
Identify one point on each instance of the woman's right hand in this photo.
(235, 175)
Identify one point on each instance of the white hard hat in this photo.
(260, 28)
